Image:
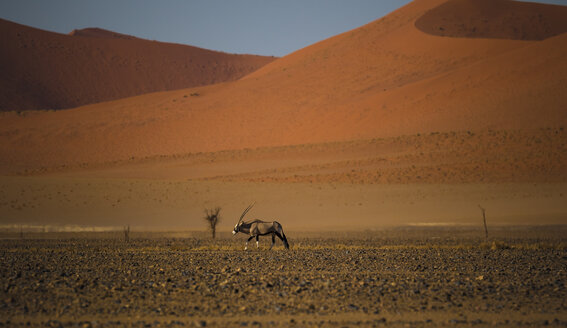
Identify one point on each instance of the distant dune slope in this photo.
(45, 70)
(385, 79)
(503, 19)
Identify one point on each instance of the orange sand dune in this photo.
(382, 125)
(385, 79)
(504, 19)
(504, 156)
(45, 70)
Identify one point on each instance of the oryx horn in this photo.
(246, 211)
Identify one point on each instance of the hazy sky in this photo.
(265, 27)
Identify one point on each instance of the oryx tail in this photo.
(281, 234)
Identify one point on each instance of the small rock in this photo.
(352, 307)
(54, 323)
(200, 323)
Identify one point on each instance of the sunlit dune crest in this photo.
(94, 32)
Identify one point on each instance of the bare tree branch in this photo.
(484, 220)
(212, 217)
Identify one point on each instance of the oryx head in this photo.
(237, 226)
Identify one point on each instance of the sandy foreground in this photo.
(383, 232)
(410, 277)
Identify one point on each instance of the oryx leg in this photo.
(273, 241)
(245, 248)
(257, 237)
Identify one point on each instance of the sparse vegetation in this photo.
(212, 217)
(484, 221)
(127, 233)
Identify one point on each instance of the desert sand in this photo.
(385, 79)
(345, 130)
(439, 178)
(383, 125)
(374, 149)
(494, 19)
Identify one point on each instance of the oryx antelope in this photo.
(257, 228)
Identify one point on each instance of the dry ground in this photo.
(396, 277)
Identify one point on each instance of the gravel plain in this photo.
(417, 278)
